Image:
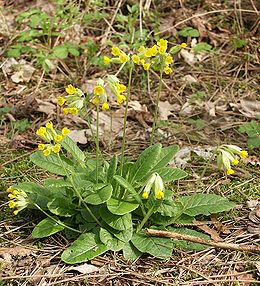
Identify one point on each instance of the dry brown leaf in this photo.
(84, 268)
(82, 136)
(165, 110)
(248, 107)
(45, 107)
(212, 232)
(139, 112)
(24, 74)
(15, 251)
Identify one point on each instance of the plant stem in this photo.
(155, 119)
(97, 142)
(125, 117)
(145, 219)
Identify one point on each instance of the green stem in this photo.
(125, 117)
(145, 219)
(78, 194)
(155, 119)
(57, 221)
(97, 142)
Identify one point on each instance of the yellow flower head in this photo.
(49, 125)
(61, 100)
(120, 87)
(105, 106)
(66, 110)
(235, 162)
(123, 58)
(167, 70)
(141, 49)
(142, 61)
(145, 195)
(46, 152)
(15, 212)
(148, 53)
(106, 60)
(230, 171)
(70, 89)
(41, 147)
(56, 148)
(12, 204)
(154, 50)
(159, 195)
(136, 59)
(162, 50)
(11, 196)
(116, 51)
(58, 138)
(243, 154)
(146, 66)
(120, 98)
(95, 100)
(168, 60)
(41, 131)
(65, 131)
(162, 43)
(183, 45)
(99, 90)
(10, 189)
(74, 110)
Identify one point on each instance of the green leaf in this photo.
(51, 163)
(61, 206)
(169, 174)
(156, 246)
(85, 248)
(252, 129)
(112, 168)
(74, 51)
(202, 47)
(73, 149)
(188, 245)
(99, 194)
(205, 204)
(46, 227)
(123, 222)
(120, 207)
(60, 52)
(110, 240)
(130, 252)
(145, 162)
(189, 32)
(56, 183)
(165, 156)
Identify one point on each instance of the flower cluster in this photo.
(52, 137)
(228, 156)
(156, 183)
(119, 56)
(18, 199)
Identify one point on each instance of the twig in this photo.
(223, 245)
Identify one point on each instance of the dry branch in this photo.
(222, 245)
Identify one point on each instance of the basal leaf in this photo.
(112, 242)
(169, 174)
(61, 206)
(46, 227)
(71, 147)
(156, 246)
(99, 194)
(130, 252)
(112, 168)
(121, 207)
(205, 204)
(85, 248)
(57, 183)
(165, 156)
(60, 52)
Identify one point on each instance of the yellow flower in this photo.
(123, 58)
(61, 100)
(136, 59)
(120, 98)
(99, 90)
(154, 50)
(15, 212)
(168, 60)
(46, 152)
(106, 60)
(74, 110)
(142, 61)
(159, 195)
(12, 204)
(58, 138)
(243, 154)
(230, 171)
(141, 49)
(66, 110)
(235, 162)
(146, 66)
(120, 87)
(56, 148)
(162, 50)
(148, 53)
(10, 189)
(162, 43)
(115, 51)
(49, 125)
(65, 131)
(41, 131)
(95, 100)
(145, 195)
(70, 89)
(105, 106)
(167, 70)
(183, 45)
(11, 196)
(41, 147)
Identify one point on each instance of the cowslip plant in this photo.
(104, 205)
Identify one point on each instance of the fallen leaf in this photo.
(80, 136)
(84, 268)
(248, 107)
(189, 79)
(24, 74)
(165, 110)
(45, 107)
(212, 232)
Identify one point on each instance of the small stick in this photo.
(223, 245)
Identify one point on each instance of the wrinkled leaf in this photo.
(120, 207)
(99, 194)
(46, 227)
(112, 242)
(130, 252)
